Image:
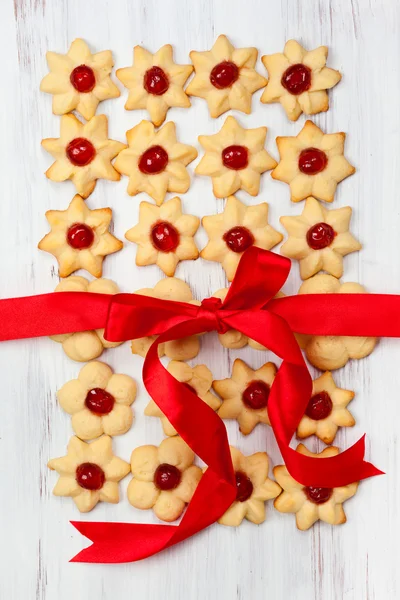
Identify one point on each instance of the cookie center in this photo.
(99, 402)
(318, 495)
(244, 487)
(320, 235)
(153, 161)
(296, 79)
(80, 152)
(235, 157)
(167, 477)
(238, 239)
(319, 406)
(312, 161)
(155, 81)
(83, 79)
(256, 395)
(90, 476)
(164, 236)
(224, 74)
(80, 236)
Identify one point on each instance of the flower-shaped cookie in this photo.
(164, 478)
(253, 489)
(309, 503)
(83, 153)
(85, 345)
(235, 158)
(230, 233)
(326, 410)
(332, 352)
(79, 80)
(80, 238)
(98, 401)
(164, 235)
(89, 473)
(245, 394)
(299, 79)
(312, 163)
(225, 77)
(186, 348)
(155, 161)
(198, 379)
(319, 238)
(155, 82)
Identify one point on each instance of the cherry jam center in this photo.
(235, 157)
(256, 395)
(238, 239)
(90, 476)
(99, 402)
(80, 152)
(320, 236)
(224, 74)
(312, 161)
(318, 495)
(153, 161)
(296, 79)
(244, 487)
(83, 79)
(167, 477)
(319, 406)
(164, 236)
(80, 236)
(155, 81)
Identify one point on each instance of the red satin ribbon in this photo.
(250, 308)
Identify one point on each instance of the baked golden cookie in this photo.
(99, 401)
(332, 352)
(225, 77)
(299, 79)
(83, 153)
(198, 379)
(311, 504)
(245, 394)
(235, 158)
(312, 163)
(155, 161)
(231, 232)
(186, 348)
(253, 489)
(80, 238)
(164, 478)
(89, 473)
(155, 82)
(319, 238)
(164, 235)
(85, 345)
(326, 410)
(79, 80)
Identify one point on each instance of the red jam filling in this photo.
(164, 236)
(244, 487)
(319, 406)
(256, 395)
(167, 477)
(296, 79)
(90, 476)
(155, 81)
(318, 495)
(80, 152)
(99, 402)
(320, 236)
(83, 79)
(153, 161)
(224, 74)
(80, 236)
(238, 239)
(235, 157)
(312, 161)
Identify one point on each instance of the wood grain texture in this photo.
(356, 561)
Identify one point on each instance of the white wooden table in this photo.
(356, 561)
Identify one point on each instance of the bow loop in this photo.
(211, 310)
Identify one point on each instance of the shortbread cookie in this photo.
(186, 348)
(319, 238)
(308, 503)
(245, 394)
(164, 235)
(225, 77)
(155, 161)
(312, 163)
(332, 352)
(235, 158)
(198, 379)
(79, 80)
(83, 153)
(99, 401)
(230, 233)
(80, 238)
(326, 410)
(164, 478)
(253, 489)
(89, 473)
(299, 79)
(85, 345)
(155, 82)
